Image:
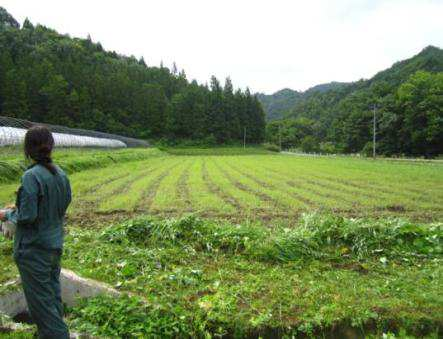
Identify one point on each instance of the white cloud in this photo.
(266, 45)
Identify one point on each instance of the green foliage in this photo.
(316, 237)
(271, 147)
(202, 235)
(333, 237)
(216, 151)
(206, 278)
(292, 132)
(308, 144)
(409, 111)
(52, 78)
(6, 20)
(72, 160)
(421, 98)
(126, 317)
(279, 104)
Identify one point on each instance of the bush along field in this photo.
(253, 245)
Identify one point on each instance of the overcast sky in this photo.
(266, 45)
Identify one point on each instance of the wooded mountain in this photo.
(53, 78)
(409, 108)
(279, 104)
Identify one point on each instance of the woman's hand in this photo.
(2, 215)
(5, 210)
(9, 229)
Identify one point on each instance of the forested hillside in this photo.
(280, 104)
(409, 112)
(53, 78)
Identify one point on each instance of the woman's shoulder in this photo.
(30, 175)
(59, 170)
(30, 171)
(38, 170)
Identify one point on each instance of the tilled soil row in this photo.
(85, 207)
(94, 188)
(296, 196)
(302, 184)
(182, 190)
(215, 189)
(261, 195)
(151, 191)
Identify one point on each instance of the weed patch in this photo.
(191, 277)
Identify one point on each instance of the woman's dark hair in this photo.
(38, 146)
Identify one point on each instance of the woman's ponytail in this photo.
(39, 143)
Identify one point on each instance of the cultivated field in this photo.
(263, 186)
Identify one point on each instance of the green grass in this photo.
(12, 165)
(250, 150)
(256, 186)
(259, 262)
(192, 277)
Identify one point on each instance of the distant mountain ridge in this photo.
(275, 105)
(408, 98)
(280, 103)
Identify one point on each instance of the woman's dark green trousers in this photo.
(40, 274)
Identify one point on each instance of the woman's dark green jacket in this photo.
(42, 200)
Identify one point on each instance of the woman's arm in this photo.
(28, 195)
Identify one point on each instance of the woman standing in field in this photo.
(42, 200)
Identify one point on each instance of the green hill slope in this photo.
(408, 97)
(280, 104)
(53, 78)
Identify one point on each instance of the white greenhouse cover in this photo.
(15, 136)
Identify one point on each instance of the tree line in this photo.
(53, 78)
(408, 102)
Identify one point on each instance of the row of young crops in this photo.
(264, 185)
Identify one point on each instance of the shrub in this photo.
(367, 150)
(271, 147)
(308, 144)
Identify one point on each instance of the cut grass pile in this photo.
(192, 278)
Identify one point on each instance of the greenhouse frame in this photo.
(12, 133)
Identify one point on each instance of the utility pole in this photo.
(374, 133)
(279, 135)
(244, 138)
